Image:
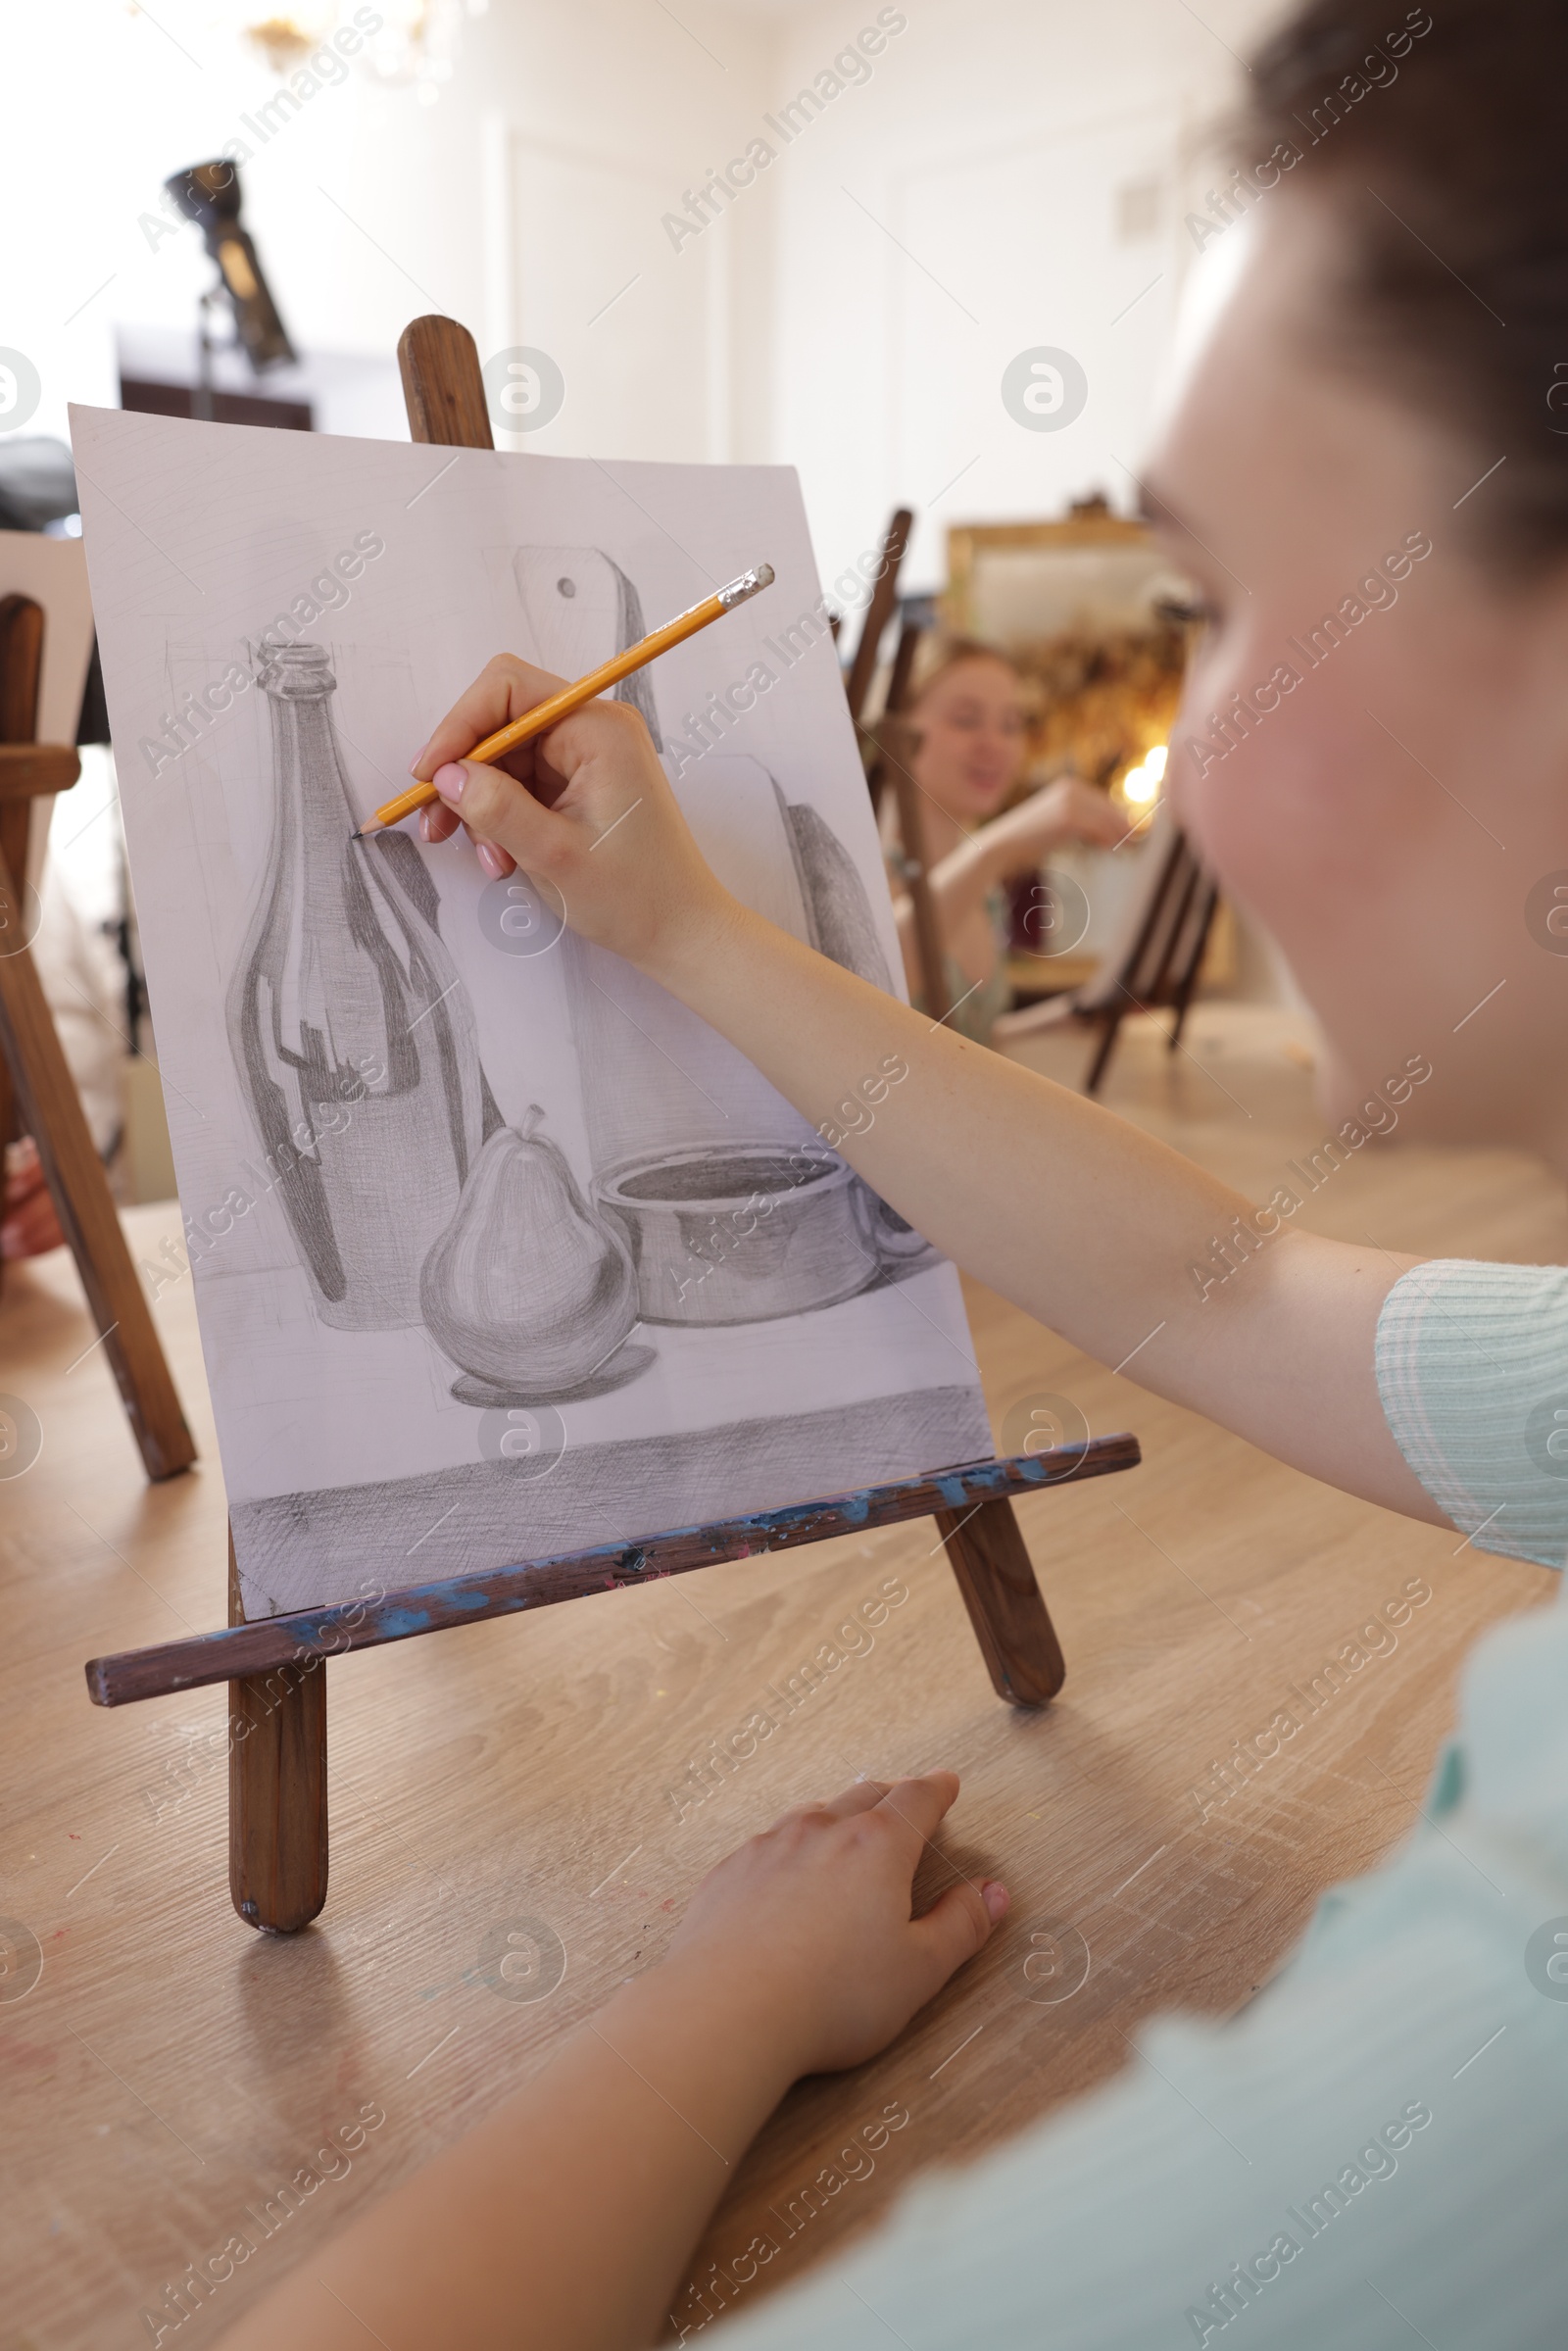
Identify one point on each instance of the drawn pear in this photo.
(527, 1289)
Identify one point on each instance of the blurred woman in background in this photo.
(965, 744)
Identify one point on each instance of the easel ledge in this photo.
(315, 1634)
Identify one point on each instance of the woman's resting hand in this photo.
(808, 1924)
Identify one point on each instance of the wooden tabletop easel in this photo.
(882, 763)
(1159, 969)
(1158, 959)
(37, 1092)
(275, 1666)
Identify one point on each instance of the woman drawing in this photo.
(1371, 2154)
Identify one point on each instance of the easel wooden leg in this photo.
(929, 955)
(1182, 996)
(1110, 1033)
(986, 1553)
(276, 1791)
(50, 1110)
(14, 821)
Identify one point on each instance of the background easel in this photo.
(883, 763)
(1155, 963)
(37, 1093)
(1156, 969)
(278, 1703)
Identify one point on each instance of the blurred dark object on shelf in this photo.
(212, 406)
(163, 373)
(208, 194)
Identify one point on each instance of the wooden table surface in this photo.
(170, 2072)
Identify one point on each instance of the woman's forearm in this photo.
(959, 886)
(562, 2223)
(962, 881)
(1097, 1230)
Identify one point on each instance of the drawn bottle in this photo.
(353, 1035)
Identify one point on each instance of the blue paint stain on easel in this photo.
(422, 1608)
(397, 1619)
(398, 1623)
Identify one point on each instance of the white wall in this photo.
(1014, 177)
(116, 102)
(1014, 173)
(519, 202)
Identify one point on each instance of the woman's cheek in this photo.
(1285, 813)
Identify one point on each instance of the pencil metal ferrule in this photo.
(749, 584)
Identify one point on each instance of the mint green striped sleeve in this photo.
(1472, 1367)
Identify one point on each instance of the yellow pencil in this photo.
(546, 715)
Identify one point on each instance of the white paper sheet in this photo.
(499, 1250)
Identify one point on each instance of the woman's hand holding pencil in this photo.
(585, 811)
(589, 768)
(566, 699)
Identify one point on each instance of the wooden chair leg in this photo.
(277, 1857)
(986, 1553)
(50, 1111)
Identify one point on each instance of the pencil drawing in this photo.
(742, 1234)
(324, 1542)
(529, 1289)
(582, 609)
(518, 1193)
(344, 997)
(838, 905)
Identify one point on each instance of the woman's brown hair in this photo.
(1439, 137)
(938, 656)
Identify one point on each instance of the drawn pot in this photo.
(742, 1232)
